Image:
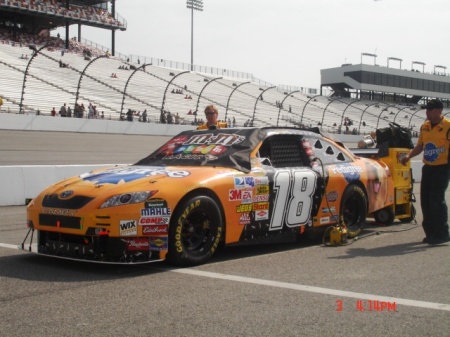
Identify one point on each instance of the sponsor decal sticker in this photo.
(260, 198)
(332, 196)
(128, 227)
(155, 230)
(154, 220)
(155, 211)
(262, 189)
(244, 208)
(158, 243)
(261, 180)
(138, 244)
(244, 219)
(262, 215)
(260, 206)
(325, 220)
(244, 182)
(332, 209)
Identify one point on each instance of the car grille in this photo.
(60, 221)
(76, 202)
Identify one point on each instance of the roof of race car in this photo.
(229, 147)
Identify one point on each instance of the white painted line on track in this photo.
(299, 287)
(317, 290)
(7, 245)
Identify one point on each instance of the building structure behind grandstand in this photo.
(41, 72)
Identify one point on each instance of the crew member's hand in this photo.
(405, 159)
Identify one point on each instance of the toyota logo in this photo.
(66, 194)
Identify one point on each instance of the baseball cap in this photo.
(433, 104)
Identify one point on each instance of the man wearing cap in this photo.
(434, 141)
(211, 114)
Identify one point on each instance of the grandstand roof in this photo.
(35, 18)
(374, 78)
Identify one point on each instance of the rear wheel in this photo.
(195, 231)
(354, 209)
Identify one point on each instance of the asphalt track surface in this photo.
(293, 289)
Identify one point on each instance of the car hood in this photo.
(107, 182)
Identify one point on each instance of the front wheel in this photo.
(354, 209)
(195, 231)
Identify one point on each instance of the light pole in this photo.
(198, 6)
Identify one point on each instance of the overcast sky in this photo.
(285, 41)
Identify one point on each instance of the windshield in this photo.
(229, 148)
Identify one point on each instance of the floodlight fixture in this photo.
(371, 55)
(394, 59)
(441, 67)
(198, 6)
(417, 62)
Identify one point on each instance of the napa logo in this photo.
(431, 152)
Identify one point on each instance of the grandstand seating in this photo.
(154, 89)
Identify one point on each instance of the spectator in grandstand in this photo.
(169, 118)
(63, 111)
(129, 115)
(1, 103)
(91, 111)
(69, 112)
(434, 138)
(102, 116)
(144, 116)
(177, 119)
(162, 117)
(53, 112)
(211, 114)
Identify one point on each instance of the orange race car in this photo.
(206, 188)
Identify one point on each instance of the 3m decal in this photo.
(294, 192)
(234, 195)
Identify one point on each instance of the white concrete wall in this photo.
(18, 183)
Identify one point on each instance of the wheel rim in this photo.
(351, 213)
(196, 231)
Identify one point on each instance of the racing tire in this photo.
(385, 216)
(195, 231)
(354, 209)
(412, 217)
